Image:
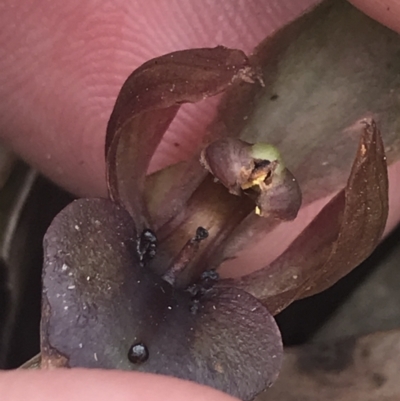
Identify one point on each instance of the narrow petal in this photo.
(146, 105)
(101, 309)
(168, 190)
(365, 213)
(343, 234)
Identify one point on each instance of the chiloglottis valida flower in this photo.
(131, 282)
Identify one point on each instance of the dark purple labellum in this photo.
(98, 300)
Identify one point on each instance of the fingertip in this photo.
(387, 12)
(99, 385)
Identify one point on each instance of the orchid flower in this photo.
(132, 283)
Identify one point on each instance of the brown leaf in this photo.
(146, 105)
(342, 235)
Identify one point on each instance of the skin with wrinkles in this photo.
(78, 384)
(60, 102)
(61, 68)
(385, 11)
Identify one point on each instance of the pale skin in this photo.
(61, 66)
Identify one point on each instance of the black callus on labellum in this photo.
(132, 282)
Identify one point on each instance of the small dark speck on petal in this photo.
(138, 353)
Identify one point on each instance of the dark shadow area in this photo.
(44, 201)
(4, 298)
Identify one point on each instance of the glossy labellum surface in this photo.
(99, 301)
